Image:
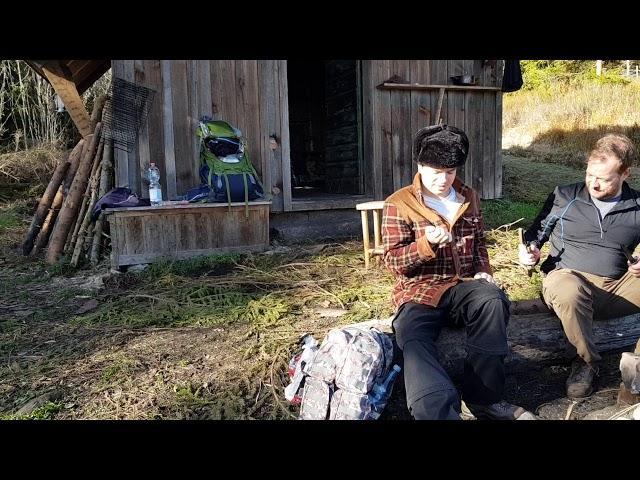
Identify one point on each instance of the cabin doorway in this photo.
(325, 129)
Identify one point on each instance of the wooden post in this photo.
(44, 205)
(365, 236)
(72, 202)
(598, 68)
(105, 185)
(439, 109)
(67, 91)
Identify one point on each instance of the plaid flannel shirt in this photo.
(424, 271)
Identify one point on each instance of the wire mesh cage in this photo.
(129, 106)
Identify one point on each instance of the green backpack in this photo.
(224, 164)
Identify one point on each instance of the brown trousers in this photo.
(578, 297)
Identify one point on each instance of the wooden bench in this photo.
(176, 230)
(376, 209)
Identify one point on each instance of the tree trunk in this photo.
(74, 159)
(43, 206)
(96, 114)
(93, 186)
(534, 340)
(72, 202)
(49, 222)
(105, 186)
(71, 240)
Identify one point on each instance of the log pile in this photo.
(62, 222)
(535, 339)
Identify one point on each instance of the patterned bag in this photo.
(349, 362)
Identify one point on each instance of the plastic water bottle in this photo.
(381, 391)
(155, 191)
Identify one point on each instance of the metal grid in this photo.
(129, 106)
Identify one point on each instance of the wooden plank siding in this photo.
(146, 234)
(244, 93)
(271, 158)
(401, 136)
(421, 108)
(385, 112)
(253, 96)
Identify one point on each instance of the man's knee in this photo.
(564, 288)
(415, 322)
(492, 300)
(487, 292)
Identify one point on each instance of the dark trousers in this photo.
(483, 309)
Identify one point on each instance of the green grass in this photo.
(48, 411)
(503, 212)
(8, 219)
(527, 182)
(12, 215)
(209, 264)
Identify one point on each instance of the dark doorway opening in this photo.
(325, 128)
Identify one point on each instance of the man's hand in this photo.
(484, 276)
(634, 269)
(437, 235)
(528, 258)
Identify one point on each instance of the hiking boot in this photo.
(500, 411)
(580, 382)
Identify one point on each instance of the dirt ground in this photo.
(542, 391)
(56, 367)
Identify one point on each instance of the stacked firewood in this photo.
(62, 222)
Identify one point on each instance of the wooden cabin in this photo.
(323, 135)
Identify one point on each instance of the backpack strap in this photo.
(246, 195)
(226, 181)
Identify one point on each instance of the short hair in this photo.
(440, 146)
(617, 145)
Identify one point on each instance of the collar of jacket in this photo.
(464, 194)
(629, 199)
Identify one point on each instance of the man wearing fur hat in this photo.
(434, 243)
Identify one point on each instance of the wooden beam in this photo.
(418, 86)
(438, 114)
(68, 92)
(97, 69)
(534, 340)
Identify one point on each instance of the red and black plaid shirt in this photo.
(424, 272)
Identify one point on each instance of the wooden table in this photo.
(176, 230)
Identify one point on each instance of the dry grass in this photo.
(572, 118)
(34, 166)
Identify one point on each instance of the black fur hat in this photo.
(440, 146)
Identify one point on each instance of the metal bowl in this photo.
(464, 79)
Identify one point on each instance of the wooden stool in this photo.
(376, 208)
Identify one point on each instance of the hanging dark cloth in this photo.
(512, 78)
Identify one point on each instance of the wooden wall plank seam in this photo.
(169, 146)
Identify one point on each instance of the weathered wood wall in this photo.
(246, 93)
(253, 95)
(391, 117)
(146, 234)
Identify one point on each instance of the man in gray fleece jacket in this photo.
(589, 226)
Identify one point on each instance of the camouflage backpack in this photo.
(344, 370)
